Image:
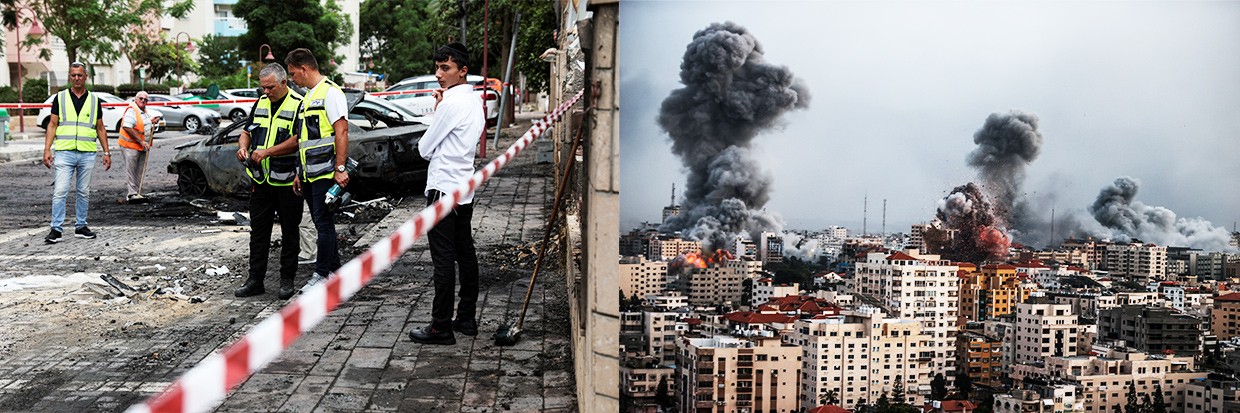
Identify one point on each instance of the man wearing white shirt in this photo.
(450, 144)
(137, 124)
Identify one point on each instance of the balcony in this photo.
(230, 26)
(744, 389)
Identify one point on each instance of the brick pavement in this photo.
(360, 357)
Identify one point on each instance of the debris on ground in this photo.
(234, 218)
(216, 271)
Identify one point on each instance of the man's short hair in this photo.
(301, 57)
(141, 94)
(274, 70)
(455, 52)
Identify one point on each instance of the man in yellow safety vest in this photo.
(322, 131)
(267, 146)
(75, 124)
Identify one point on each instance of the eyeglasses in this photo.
(141, 99)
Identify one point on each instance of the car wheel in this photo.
(192, 124)
(190, 180)
(237, 115)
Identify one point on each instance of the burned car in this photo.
(383, 138)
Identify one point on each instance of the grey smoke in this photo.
(1006, 144)
(730, 95)
(1126, 219)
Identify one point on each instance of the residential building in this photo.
(1225, 319)
(910, 285)
(1154, 330)
(639, 277)
(1039, 397)
(667, 248)
(1045, 330)
(659, 333)
(1212, 395)
(1094, 250)
(639, 380)
(860, 355)
(667, 301)
(723, 374)
(637, 241)
(770, 248)
(991, 292)
(981, 357)
(1063, 257)
(1137, 260)
(720, 283)
(1102, 381)
(1085, 305)
(764, 289)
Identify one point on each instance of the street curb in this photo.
(20, 155)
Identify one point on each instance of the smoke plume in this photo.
(1116, 209)
(973, 232)
(1006, 143)
(730, 95)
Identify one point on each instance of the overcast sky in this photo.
(1145, 89)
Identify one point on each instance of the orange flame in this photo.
(701, 260)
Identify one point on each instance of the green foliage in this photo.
(218, 56)
(34, 91)
(897, 393)
(793, 270)
(291, 24)
(8, 94)
(99, 87)
(1132, 406)
(662, 395)
(89, 28)
(233, 81)
(883, 404)
(538, 23)
(396, 34)
(1159, 405)
(964, 385)
(162, 58)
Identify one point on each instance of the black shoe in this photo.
(466, 327)
(84, 232)
(250, 288)
(286, 289)
(52, 237)
(429, 335)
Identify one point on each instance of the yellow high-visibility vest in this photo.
(76, 130)
(269, 129)
(317, 143)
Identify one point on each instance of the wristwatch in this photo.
(339, 168)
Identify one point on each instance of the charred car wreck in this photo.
(383, 139)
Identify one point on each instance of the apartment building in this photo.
(642, 278)
(639, 380)
(991, 292)
(981, 357)
(1103, 380)
(764, 289)
(914, 286)
(666, 248)
(724, 374)
(770, 248)
(1044, 330)
(1225, 318)
(1085, 305)
(1154, 330)
(860, 355)
(1039, 397)
(1136, 260)
(1212, 395)
(720, 283)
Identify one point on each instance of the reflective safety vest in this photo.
(269, 129)
(317, 143)
(76, 130)
(133, 142)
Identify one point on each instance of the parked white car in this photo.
(237, 112)
(423, 103)
(111, 115)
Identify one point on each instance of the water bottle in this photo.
(333, 193)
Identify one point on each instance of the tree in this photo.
(89, 28)
(829, 397)
(1132, 406)
(897, 393)
(883, 404)
(536, 34)
(661, 394)
(396, 33)
(218, 56)
(161, 57)
(938, 387)
(1159, 405)
(964, 385)
(291, 24)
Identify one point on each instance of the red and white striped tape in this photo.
(204, 386)
(122, 104)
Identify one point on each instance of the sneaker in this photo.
(314, 279)
(466, 327)
(84, 232)
(52, 237)
(430, 335)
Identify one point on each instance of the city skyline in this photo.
(900, 89)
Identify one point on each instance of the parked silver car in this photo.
(187, 116)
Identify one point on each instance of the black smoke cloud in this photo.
(1118, 211)
(730, 95)
(1006, 144)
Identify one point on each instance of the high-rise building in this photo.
(720, 283)
(1045, 330)
(860, 355)
(1225, 319)
(1136, 260)
(641, 278)
(723, 374)
(1103, 380)
(1212, 395)
(981, 357)
(1154, 330)
(666, 248)
(913, 286)
(991, 292)
(770, 248)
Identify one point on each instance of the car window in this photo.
(229, 134)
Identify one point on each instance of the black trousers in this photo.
(325, 223)
(452, 244)
(265, 200)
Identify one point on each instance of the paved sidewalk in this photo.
(360, 357)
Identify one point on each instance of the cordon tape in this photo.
(204, 386)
